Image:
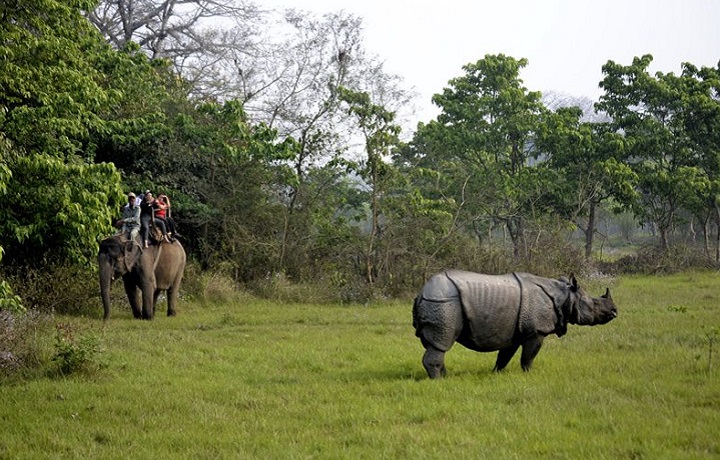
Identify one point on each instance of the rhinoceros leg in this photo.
(530, 348)
(504, 356)
(434, 362)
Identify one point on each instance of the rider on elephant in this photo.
(148, 219)
(129, 223)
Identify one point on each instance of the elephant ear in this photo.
(132, 252)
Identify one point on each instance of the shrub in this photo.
(25, 342)
(214, 285)
(8, 300)
(653, 260)
(76, 352)
(278, 287)
(60, 288)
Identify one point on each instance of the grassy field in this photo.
(253, 379)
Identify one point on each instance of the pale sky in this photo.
(426, 42)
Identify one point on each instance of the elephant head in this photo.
(116, 257)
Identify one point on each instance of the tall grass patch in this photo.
(261, 379)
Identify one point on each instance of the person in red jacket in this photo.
(162, 211)
(148, 218)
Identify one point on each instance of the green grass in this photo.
(255, 379)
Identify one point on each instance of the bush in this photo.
(653, 260)
(210, 286)
(8, 300)
(278, 287)
(76, 352)
(59, 288)
(25, 343)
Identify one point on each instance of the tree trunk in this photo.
(706, 236)
(369, 256)
(517, 235)
(590, 229)
(664, 237)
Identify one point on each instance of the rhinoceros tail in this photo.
(415, 322)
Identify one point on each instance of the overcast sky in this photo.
(566, 42)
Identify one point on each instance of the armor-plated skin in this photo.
(500, 313)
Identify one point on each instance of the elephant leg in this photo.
(434, 362)
(530, 349)
(133, 297)
(172, 295)
(504, 356)
(148, 301)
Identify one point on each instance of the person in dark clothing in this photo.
(147, 218)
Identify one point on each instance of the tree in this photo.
(8, 300)
(293, 85)
(589, 159)
(649, 110)
(225, 173)
(701, 121)
(185, 32)
(380, 134)
(56, 201)
(483, 140)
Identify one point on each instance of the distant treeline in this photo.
(283, 156)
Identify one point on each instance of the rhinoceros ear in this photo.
(607, 294)
(573, 283)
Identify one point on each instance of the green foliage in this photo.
(56, 202)
(672, 152)
(76, 351)
(140, 93)
(48, 87)
(230, 170)
(54, 210)
(8, 300)
(82, 123)
(381, 134)
(64, 288)
(484, 131)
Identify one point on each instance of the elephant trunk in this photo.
(106, 278)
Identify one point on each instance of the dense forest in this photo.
(281, 144)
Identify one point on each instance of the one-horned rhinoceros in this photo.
(500, 313)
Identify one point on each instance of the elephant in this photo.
(147, 271)
(500, 313)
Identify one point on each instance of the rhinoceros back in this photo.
(479, 311)
(491, 304)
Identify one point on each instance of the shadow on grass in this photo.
(417, 374)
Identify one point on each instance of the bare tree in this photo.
(197, 36)
(293, 85)
(554, 100)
